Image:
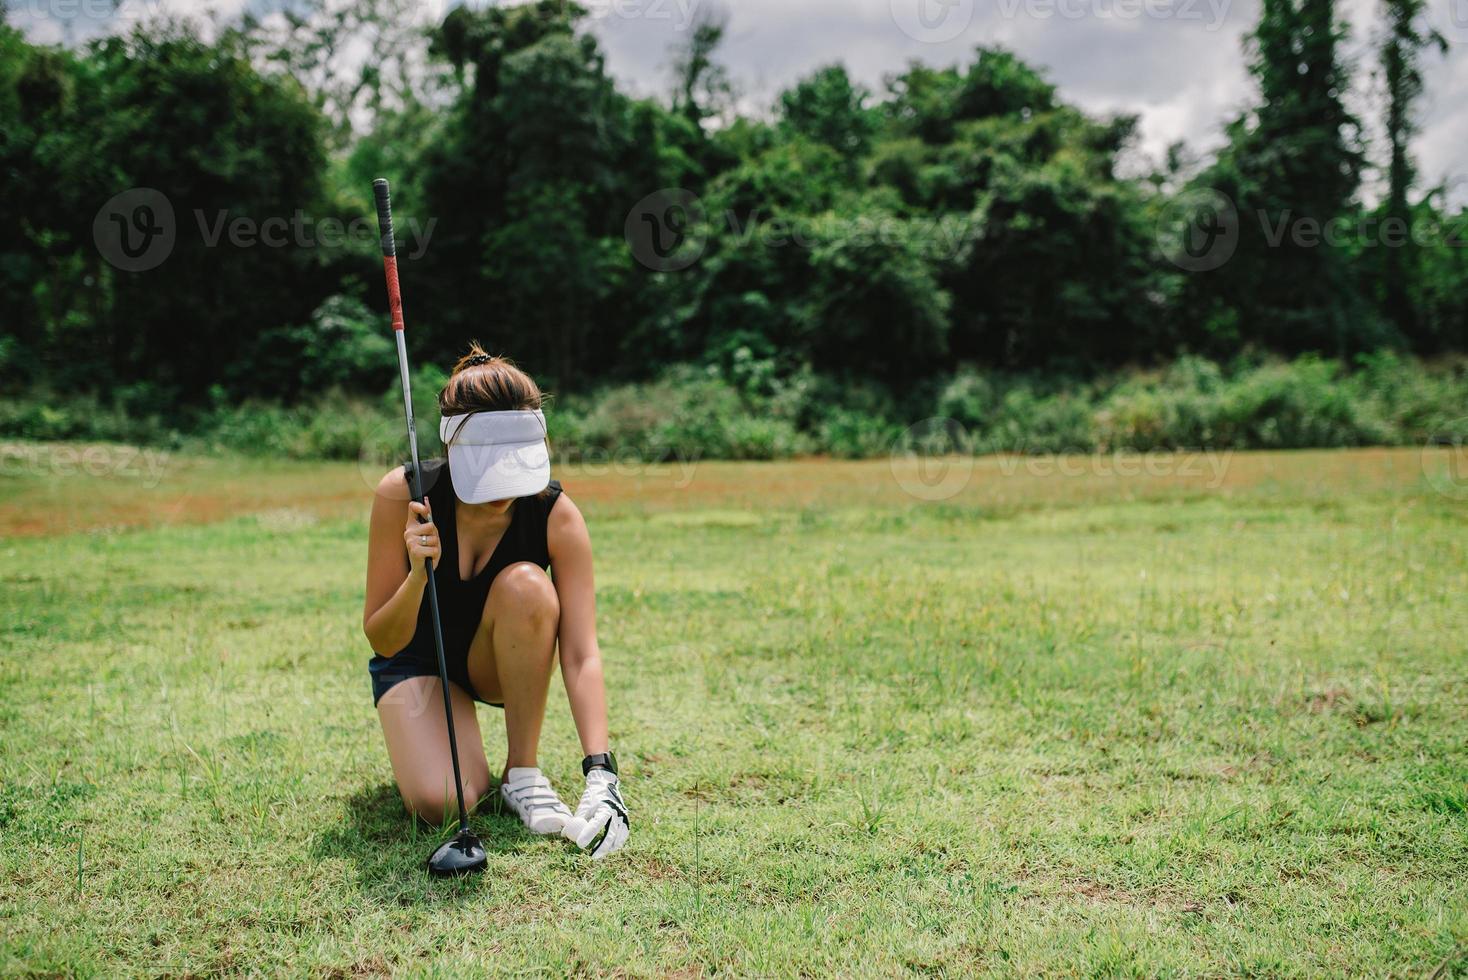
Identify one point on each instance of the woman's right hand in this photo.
(421, 538)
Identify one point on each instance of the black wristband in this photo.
(602, 760)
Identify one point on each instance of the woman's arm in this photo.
(570, 553)
(397, 546)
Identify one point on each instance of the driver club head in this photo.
(461, 855)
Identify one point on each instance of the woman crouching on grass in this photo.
(496, 522)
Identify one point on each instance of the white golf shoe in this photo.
(528, 794)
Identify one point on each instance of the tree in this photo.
(237, 146)
(1401, 64)
(195, 123)
(703, 88)
(1291, 170)
(36, 261)
(539, 164)
(930, 103)
(1057, 256)
(828, 108)
(320, 44)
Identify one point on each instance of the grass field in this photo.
(1071, 719)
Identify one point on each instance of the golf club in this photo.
(465, 852)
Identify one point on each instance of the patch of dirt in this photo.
(373, 966)
(40, 500)
(1326, 700)
(1162, 900)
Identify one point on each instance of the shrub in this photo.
(343, 346)
(686, 414)
(970, 399)
(44, 415)
(1304, 403)
(1297, 405)
(694, 413)
(856, 435)
(1027, 421)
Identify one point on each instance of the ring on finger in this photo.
(423, 539)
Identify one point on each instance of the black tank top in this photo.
(461, 603)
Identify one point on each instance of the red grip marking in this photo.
(394, 294)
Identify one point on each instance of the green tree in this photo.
(318, 43)
(1291, 167)
(1405, 39)
(930, 103)
(1439, 294)
(703, 88)
(195, 122)
(532, 183)
(828, 108)
(38, 259)
(1058, 257)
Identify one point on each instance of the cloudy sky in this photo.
(1176, 63)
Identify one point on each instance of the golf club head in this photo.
(462, 855)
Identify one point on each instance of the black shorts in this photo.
(389, 671)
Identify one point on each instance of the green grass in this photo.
(1084, 727)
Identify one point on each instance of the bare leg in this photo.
(512, 655)
(411, 713)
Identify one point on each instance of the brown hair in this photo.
(484, 383)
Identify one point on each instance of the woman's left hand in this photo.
(600, 824)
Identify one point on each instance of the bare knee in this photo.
(431, 799)
(424, 803)
(524, 593)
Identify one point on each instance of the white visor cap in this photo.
(496, 455)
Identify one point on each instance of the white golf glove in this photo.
(600, 824)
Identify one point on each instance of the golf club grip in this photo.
(384, 217)
(415, 487)
(389, 251)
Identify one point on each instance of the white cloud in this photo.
(1178, 64)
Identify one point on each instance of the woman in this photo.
(493, 522)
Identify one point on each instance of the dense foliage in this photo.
(687, 414)
(874, 247)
